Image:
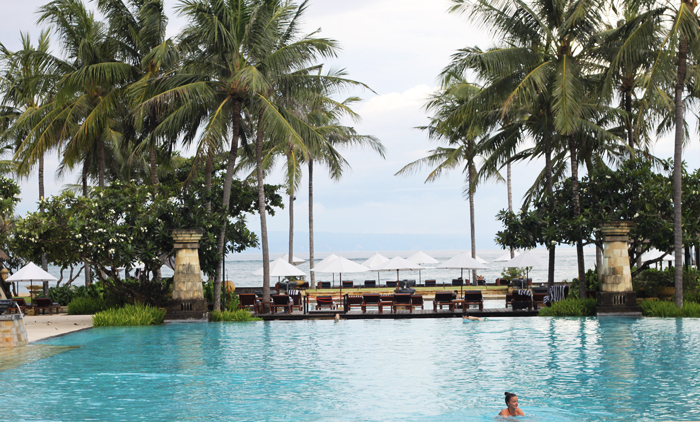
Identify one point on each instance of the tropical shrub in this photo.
(647, 282)
(86, 305)
(570, 307)
(240, 315)
(129, 315)
(664, 308)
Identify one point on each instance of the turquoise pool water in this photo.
(567, 369)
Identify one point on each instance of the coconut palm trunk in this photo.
(291, 228)
(154, 175)
(263, 213)
(510, 200)
(311, 223)
(44, 262)
(677, 170)
(88, 273)
(472, 224)
(100, 163)
(208, 168)
(549, 191)
(575, 202)
(228, 181)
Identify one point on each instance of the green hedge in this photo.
(239, 315)
(86, 306)
(664, 308)
(570, 307)
(138, 314)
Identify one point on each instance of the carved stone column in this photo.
(616, 295)
(188, 301)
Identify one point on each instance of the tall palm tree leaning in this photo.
(27, 84)
(461, 136)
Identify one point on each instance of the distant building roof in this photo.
(3, 255)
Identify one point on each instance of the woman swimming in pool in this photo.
(513, 409)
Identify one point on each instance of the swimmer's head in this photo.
(509, 397)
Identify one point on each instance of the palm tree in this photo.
(461, 136)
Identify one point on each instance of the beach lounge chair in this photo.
(248, 301)
(45, 303)
(442, 299)
(281, 301)
(538, 299)
(324, 302)
(355, 302)
(402, 299)
(522, 300)
(370, 300)
(348, 284)
(416, 301)
(23, 306)
(392, 283)
(509, 300)
(324, 284)
(430, 283)
(297, 302)
(386, 300)
(474, 298)
(458, 282)
(370, 284)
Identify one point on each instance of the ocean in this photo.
(240, 267)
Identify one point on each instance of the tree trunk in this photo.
(577, 212)
(510, 199)
(263, 220)
(472, 224)
(311, 222)
(88, 273)
(549, 190)
(291, 228)
(42, 193)
(677, 171)
(628, 109)
(154, 167)
(228, 181)
(208, 168)
(100, 163)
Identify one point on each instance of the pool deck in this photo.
(401, 314)
(42, 327)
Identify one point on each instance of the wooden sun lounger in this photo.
(370, 299)
(442, 299)
(248, 301)
(392, 283)
(402, 299)
(324, 284)
(370, 283)
(325, 302)
(281, 301)
(474, 298)
(430, 283)
(521, 302)
(348, 284)
(416, 301)
(538, 299)
(45, 303)
(355, 302)
(23, 306)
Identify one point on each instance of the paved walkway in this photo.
(41, 327)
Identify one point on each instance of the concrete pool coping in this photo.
(42, 327)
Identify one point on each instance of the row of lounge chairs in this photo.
(349, 284)
(374, 300)
(40, 305)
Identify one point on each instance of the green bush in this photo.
(592, 283)
(646, 282)
(86, 306)
(138, 314)
(65, 294)
(664, 308)
(239, 315)
(570, 307)
(691, 297)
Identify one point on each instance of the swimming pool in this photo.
(563, 369)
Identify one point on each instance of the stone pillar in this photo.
(13, 333)
(188, 301)
(616, 295)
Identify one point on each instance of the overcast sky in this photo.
(397, 47)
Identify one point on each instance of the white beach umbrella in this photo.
(375, 262)
(341, 265)
(462, 261)
(31, 273)
(526, 259)
(421, 257)
(397, 263)
(295, 260)
(324, 262)
(506, 257)
(281, 268)
(478, 258)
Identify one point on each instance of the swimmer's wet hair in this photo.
(510, 396)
